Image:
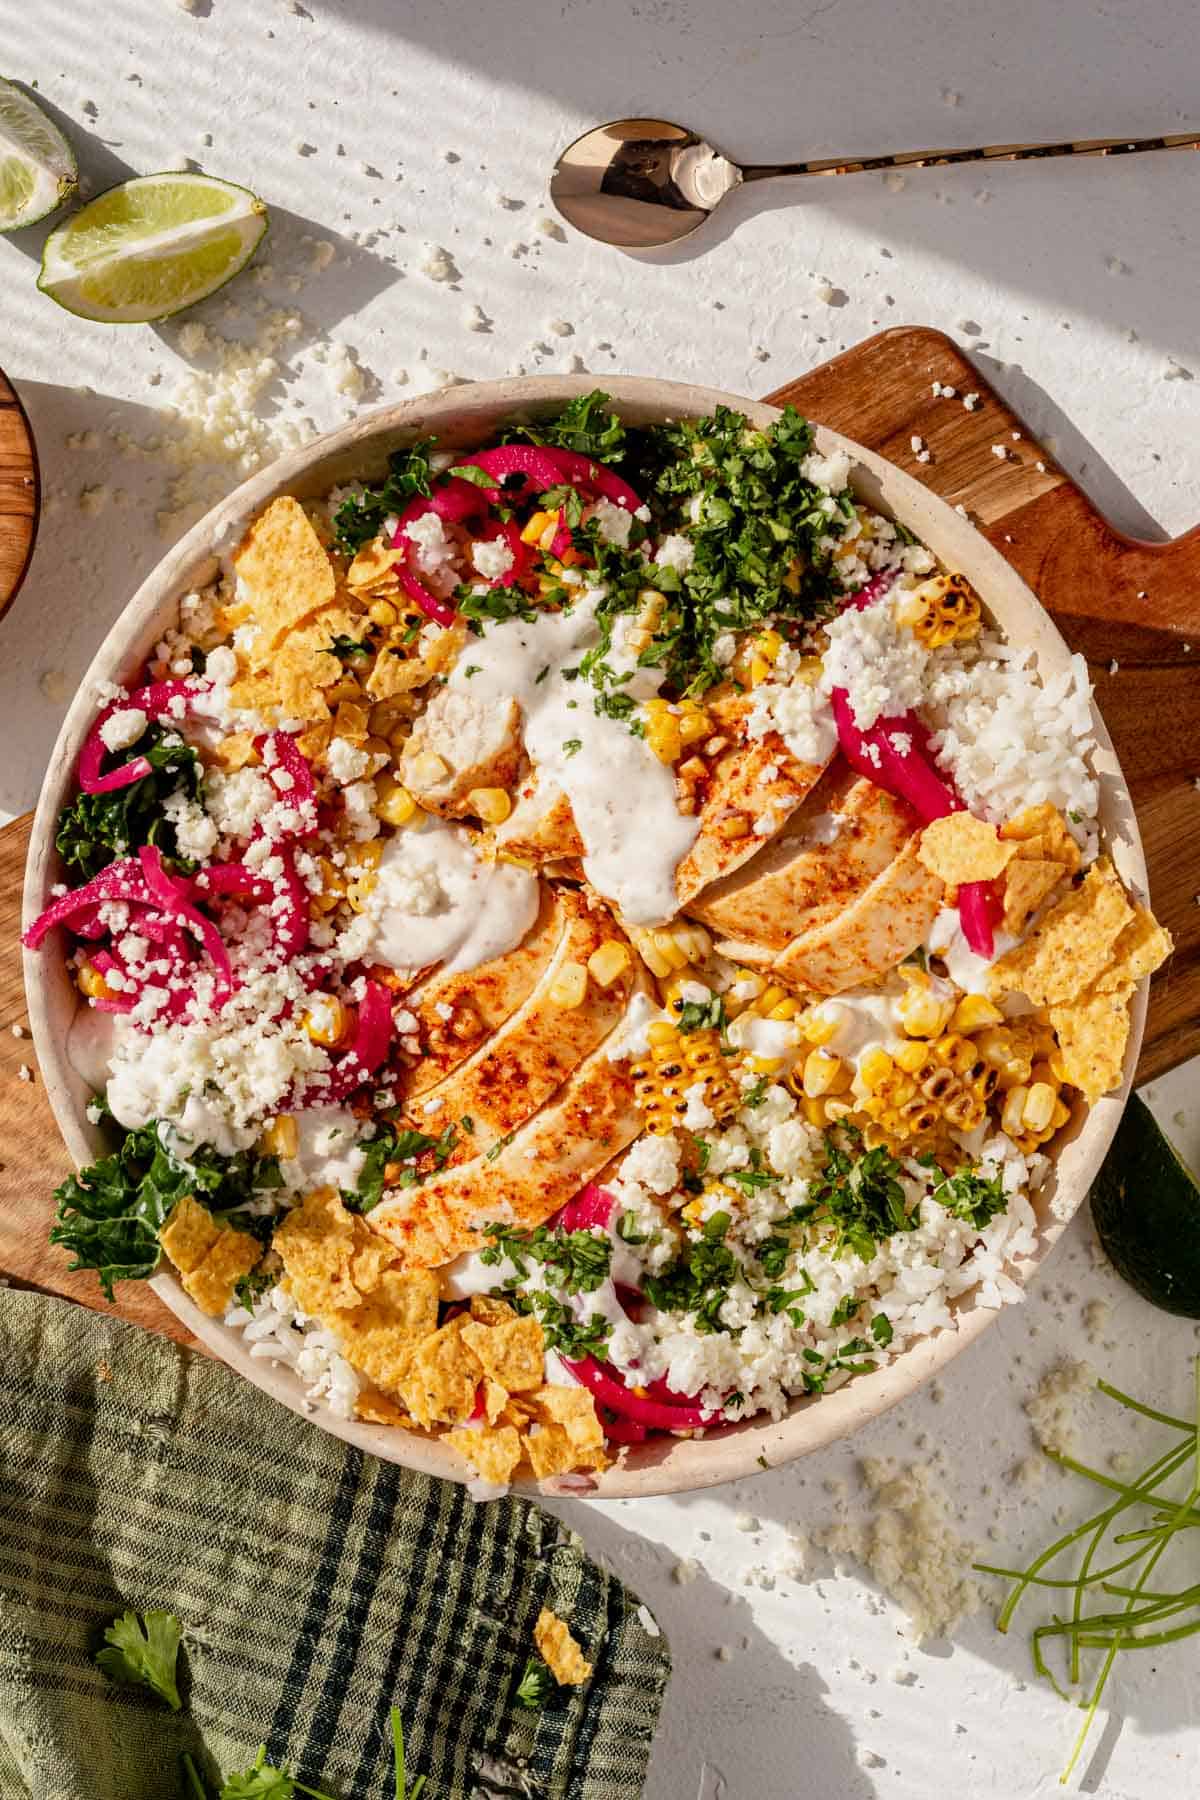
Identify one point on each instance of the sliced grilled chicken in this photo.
(529, 1056)
(590, 1119)
(872, 935)
(456, 1013)
(459, 744)
(541, 826)
(845, 834)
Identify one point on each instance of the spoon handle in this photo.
(903, 159)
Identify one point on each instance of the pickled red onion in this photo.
(611, 1392)
(172, 895)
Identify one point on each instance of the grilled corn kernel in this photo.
(821, 1073)
(359, 892)
(536, 524)
(973, 1012)
(366, 856)
(608, 963)
(956, 1053)
(383, 718)
(330, 1023)
(911, 1056)
(424, 768)
(382, 612)
(734, 825)
(92, 983)
(394, 804)
(874, 1068)
(667, 950)
(350, 721)
(345, 689)
(281, 1137)
(491, 803)
(694, 724)
(662, 731)
(1039, 1106)
(1013, 1113)
(569, 987)
(922, 1013)
(819, 1024)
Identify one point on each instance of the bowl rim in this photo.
(464, 413)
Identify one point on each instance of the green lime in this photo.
(1146, 1205)
(151, 246)
(37, 165)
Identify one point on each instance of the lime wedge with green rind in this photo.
(1146, 1207)
(151, 247)
(37, 165)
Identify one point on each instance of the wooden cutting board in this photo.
(1113, 598)
(19, 494)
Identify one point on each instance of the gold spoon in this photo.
(641, 183)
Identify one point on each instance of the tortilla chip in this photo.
(233, 752)
(211, 1258)
(381, 1337)
(316, 1243)
(188, 1235)
(374, 569)
(494, 1401)
(398, 669)
(962, 848)
(285, 569)
(442, 1379)
(494, 1453)
(513, 1353)
(1073, 943)
(559, 1651)
(1092, 1034)
(1027, 882)
(574, 1409)
(550, 1451)
(489, 1310)
(1142, 947)
(377, 1409)
(1041, 831)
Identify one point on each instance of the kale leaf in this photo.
(587, 425)
(109, 1215)
(360, 516)
(98, 828)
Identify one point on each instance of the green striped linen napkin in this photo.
(316, 1587)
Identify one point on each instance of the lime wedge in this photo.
(151, 246)
(37, 165)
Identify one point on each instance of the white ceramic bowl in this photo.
(461, 418)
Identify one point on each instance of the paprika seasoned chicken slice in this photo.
(876, 932)
(451, 1015)
(580, 996)
(543, 1165)
(845, 834)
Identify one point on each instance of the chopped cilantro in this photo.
(419, 1154)
(575, 1262)
(360, 517)
(473, 473)
(881, 1329)
(859, 1195)
(535, 1686)
(971, 1196)
(699, 1280)
(348, 649)
(499, 1145)
(473, 669)
(572, 746)
(844, 1311)
(756, 1093)
(702, 1015)
(141, 1651)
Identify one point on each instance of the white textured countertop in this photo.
(382, 129)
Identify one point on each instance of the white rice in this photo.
(1010, 738)
(279, 1333)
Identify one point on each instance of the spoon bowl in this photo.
(643, 183)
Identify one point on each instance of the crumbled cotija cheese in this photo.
(493, 558)
(613, 522)
(879, 663)
(346, 761)
(800, 713)
(123, 729)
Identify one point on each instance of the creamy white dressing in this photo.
(469, 1274)
(629, 1038)
(438, 901)
(764, 1037)
(965, 969)
(622, 797)
(862, 1021)
(91, 1040)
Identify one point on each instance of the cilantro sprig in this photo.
(360, 517)
(141, 1650)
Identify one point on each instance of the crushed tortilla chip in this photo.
(559, 1651)
(1092, 1033)
(550, 1451)
(494, 1453)
(962, 848)
(374, 569)
(331, 1257)
(286, 571)
(1064, 955)
(1142, 947)
(574, 1410)
(1041, 832)
(1028, 882)
(377, 1409)
(489, 1310)
(381, 1337)
(211, 1258)
(443, 1377)
(494, 1401)
(513, 1352)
